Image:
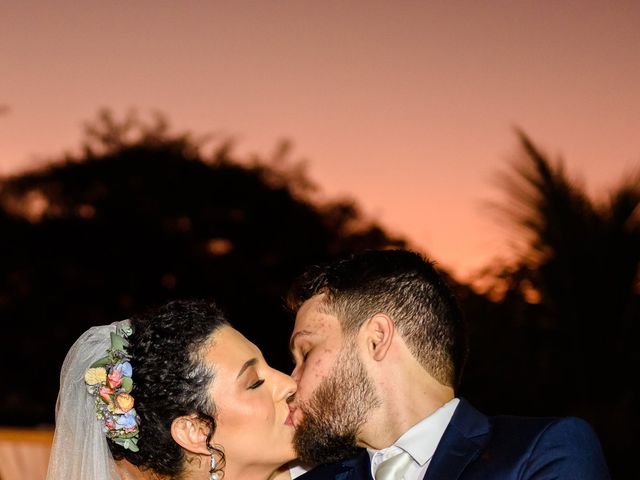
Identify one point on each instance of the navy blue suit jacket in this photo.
(476, 447)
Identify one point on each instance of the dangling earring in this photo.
(212, 472)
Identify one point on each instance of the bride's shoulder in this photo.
(129, 471)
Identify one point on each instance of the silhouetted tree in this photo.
(581, 256)
(142, 216)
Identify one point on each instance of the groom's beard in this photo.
(337, 409)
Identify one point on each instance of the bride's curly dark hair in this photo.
(170, 380)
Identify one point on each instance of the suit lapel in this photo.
(463, 440)
(356, 468)
(359, 468)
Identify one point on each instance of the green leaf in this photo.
(104, 361)
(116, 342)
(127, 384)
(133, 447)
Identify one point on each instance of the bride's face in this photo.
(252, 414)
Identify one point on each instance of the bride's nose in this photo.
(286, 386)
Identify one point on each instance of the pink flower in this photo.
(105, 394)
(110, 424)
(115, 378)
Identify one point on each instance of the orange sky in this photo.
(406, 106)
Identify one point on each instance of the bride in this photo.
(175, 394)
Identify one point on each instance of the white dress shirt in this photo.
(296, 469)
(420, 441)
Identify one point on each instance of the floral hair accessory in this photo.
(109, 381)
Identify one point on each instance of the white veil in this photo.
(80, 449)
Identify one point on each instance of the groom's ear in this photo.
(378, 332)
(190, 433)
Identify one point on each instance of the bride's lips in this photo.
(289, 421)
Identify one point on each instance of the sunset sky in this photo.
(406, 106)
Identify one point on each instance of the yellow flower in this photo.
(95, 376)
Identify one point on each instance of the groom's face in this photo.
(315, 344)
(334, 393)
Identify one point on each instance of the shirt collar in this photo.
(421, 440)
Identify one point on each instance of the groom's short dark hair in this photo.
(404, 286)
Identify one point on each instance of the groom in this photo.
(379, 345)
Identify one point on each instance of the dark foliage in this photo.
(143, 217)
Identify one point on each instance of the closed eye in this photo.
(256, 385)
(302, 356)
